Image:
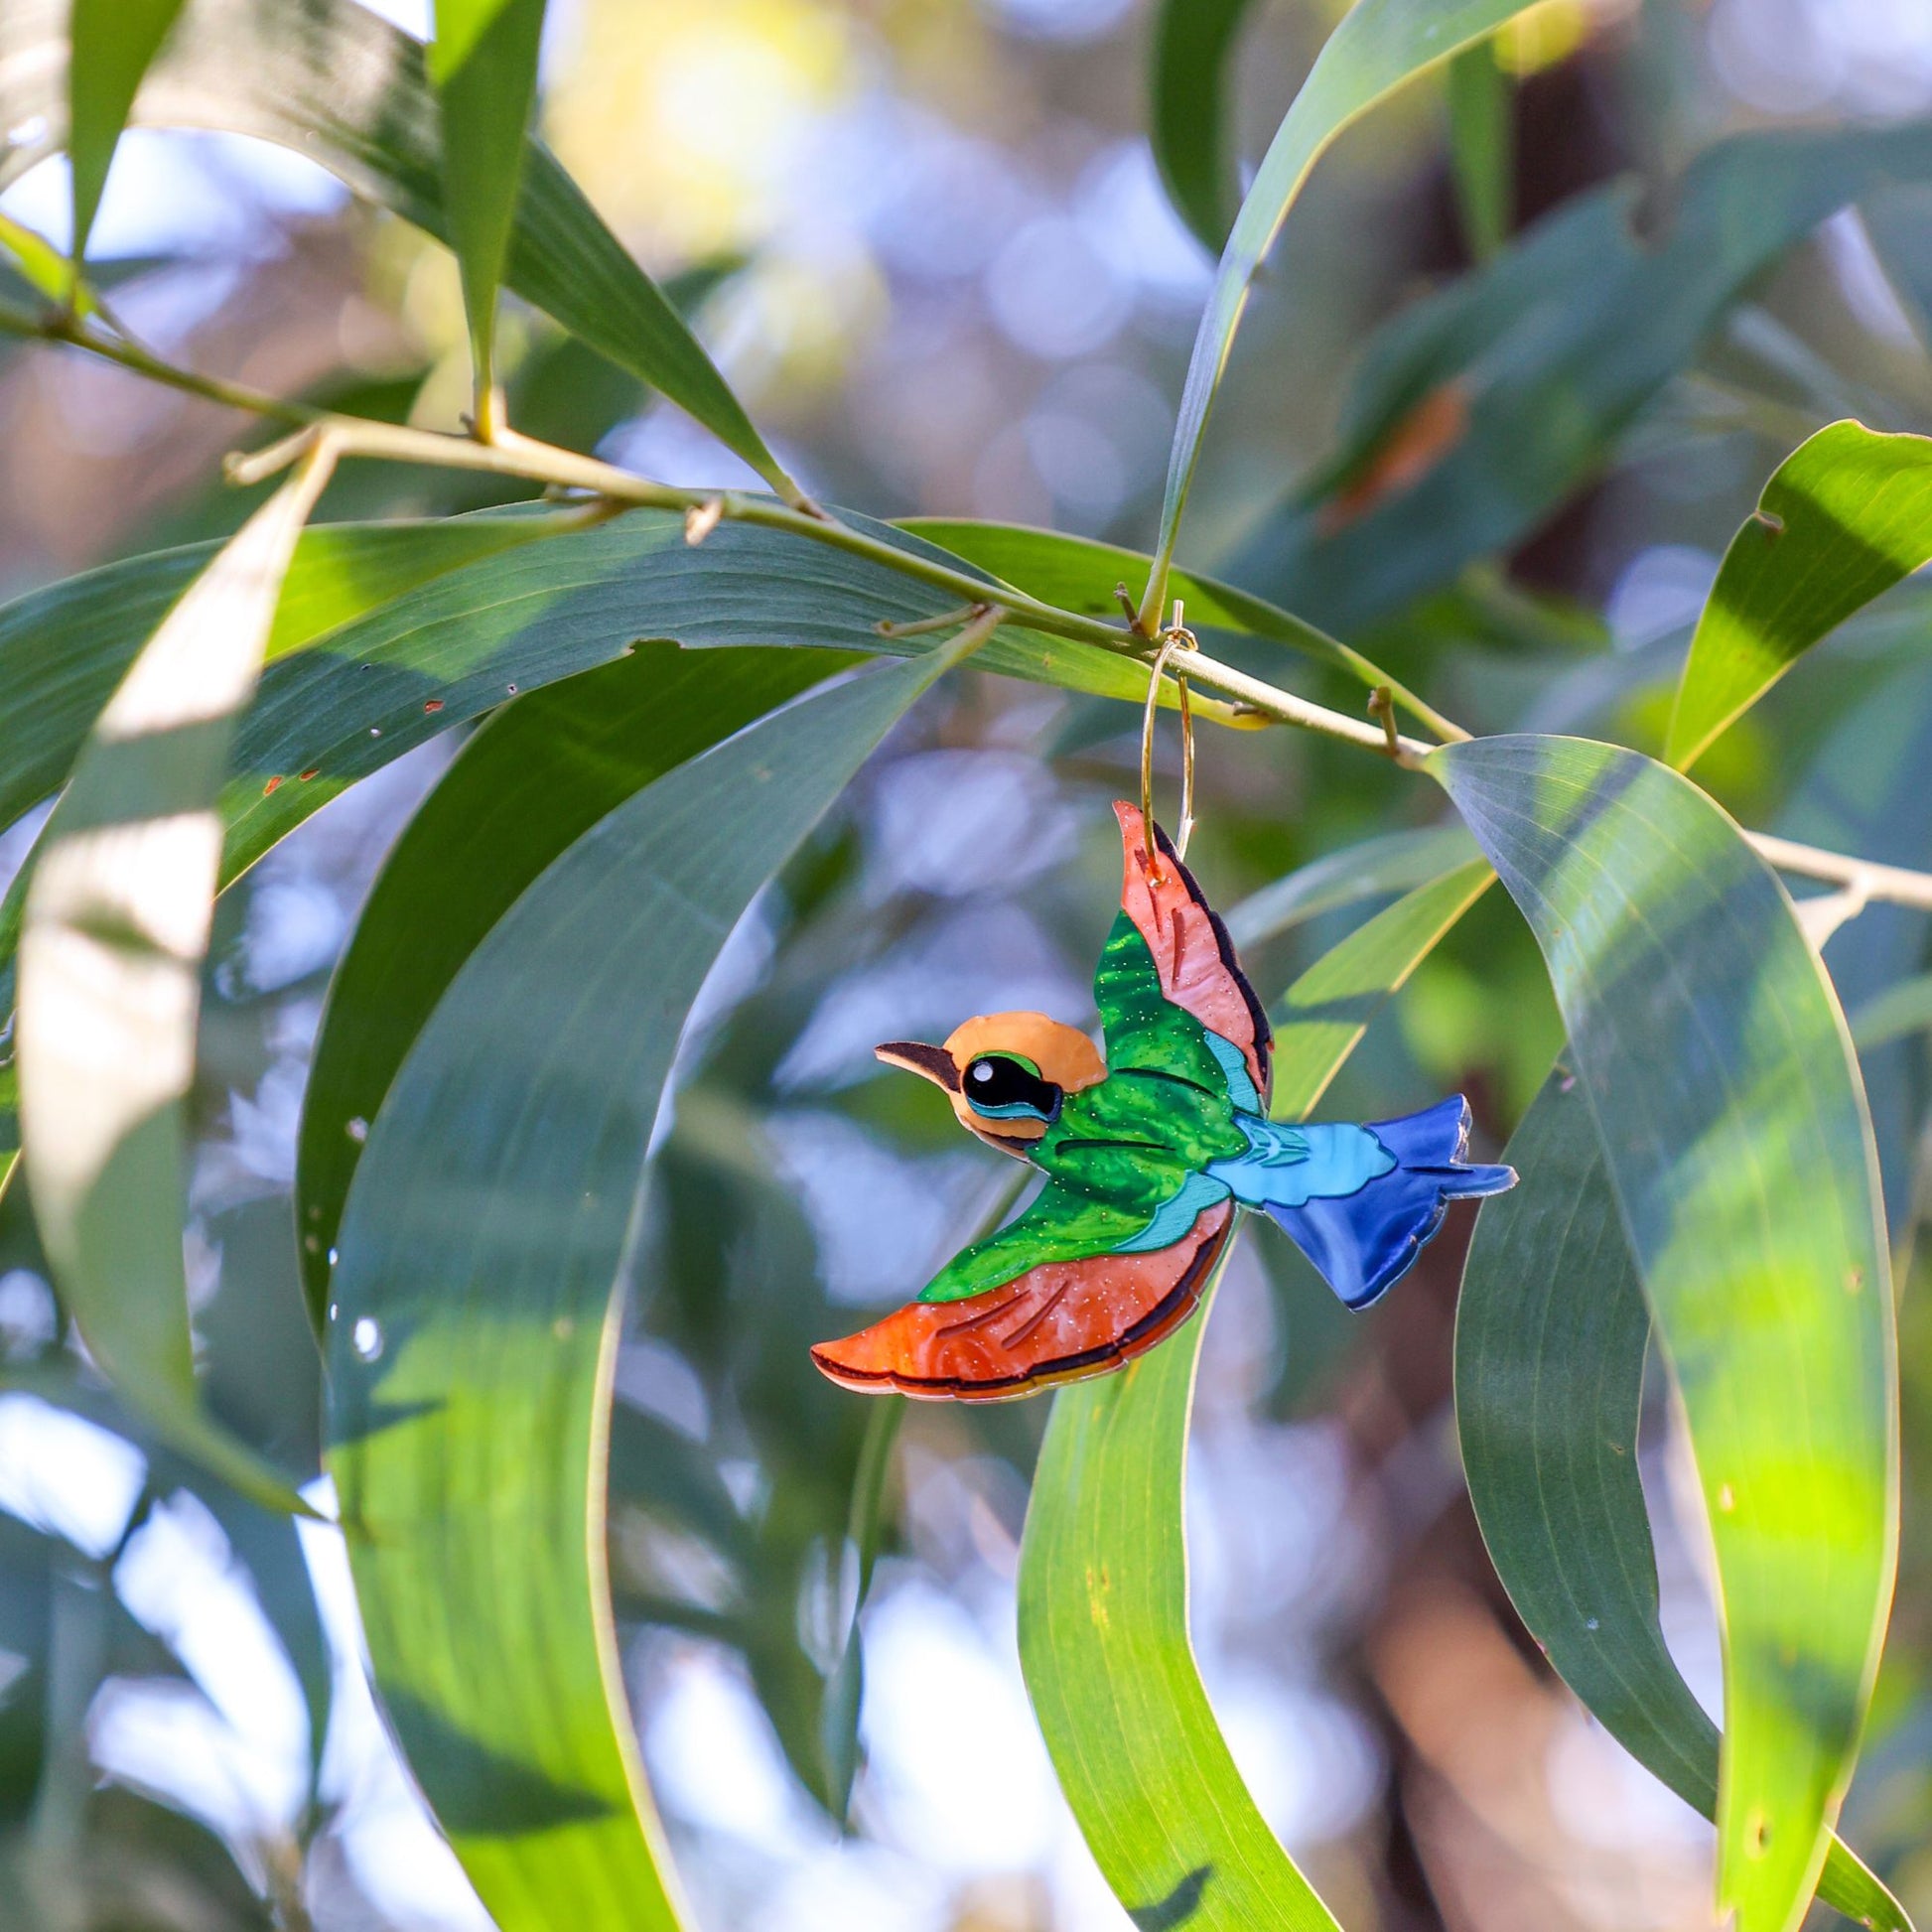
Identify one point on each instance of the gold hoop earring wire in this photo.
(1175, 638)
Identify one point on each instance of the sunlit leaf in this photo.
(483, 61)
(1103, 1570)
(347, 90)
(1379, 45)
(535, 779)
(487, 1249)
(112, 43)
(116, 927)
(1550, 1335)
(1846, 515)
(1717, 1066)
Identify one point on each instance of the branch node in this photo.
(701, 519)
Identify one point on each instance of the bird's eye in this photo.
(1001, 1088)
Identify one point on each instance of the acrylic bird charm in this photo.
(1147, 1154)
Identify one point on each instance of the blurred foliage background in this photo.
(928, 243)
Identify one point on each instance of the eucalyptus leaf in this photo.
(486, 1252)
(116, 927)
(483, 61)
(1478, 411)
(1103, 1568)
(1844, 517)
(1551, 1329)
(537, 777)
(340, 85)
(1379, 45)
(1190, 52)
(1706, 1039)
(1391, 863)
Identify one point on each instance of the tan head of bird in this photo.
(1006, 1074)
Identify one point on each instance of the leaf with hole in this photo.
(1844, 517)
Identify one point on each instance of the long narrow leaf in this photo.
(1379, 45)
(1103, 1569)
(1481, 409)
(113, 42)
(483, 61)
(1846, 515)
(1187, 112)
(116, 929)
(488, 1246)
(1550, 1335)
(1721, 1077)
(1081, 574)
(532, 782)
(341, 86)
(1373, 869)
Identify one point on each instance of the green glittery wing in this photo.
(1060, 1224)
(1143, 1027)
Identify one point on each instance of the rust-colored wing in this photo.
(1192, 953)
(1061, 1322)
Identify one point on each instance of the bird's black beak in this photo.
(933, 1063)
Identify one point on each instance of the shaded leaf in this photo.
(1551, 1329)
(528, 786)
(1717, 1070)
(1476, 412)
(1378, 46)
(1103, 1569)
(116, 928)
(1483, 147)
(1846, 515)
(485, 1250)
(1900, 1010)
(1187, 112)
(1393, 862)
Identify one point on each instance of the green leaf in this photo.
(1550, 1335)
(1480, 410)
(113, 42)
(1894, 1014)
(537, 777)
(1379, 45)
(486, 1252)
(1846, 515)
(341, 86)
(116, 929)
(1483, 147)
(1187, 112)
(483, 61)
(62, 649)
(1103, 1568)
(459, 647)
(43, 267)
(1374, 869)
(1083, 575)
(1707, 1040)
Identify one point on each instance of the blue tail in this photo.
(1365, 1242)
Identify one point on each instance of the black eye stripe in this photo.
(995, 1081)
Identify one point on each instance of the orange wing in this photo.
(1061, 1322)
(1193, 952)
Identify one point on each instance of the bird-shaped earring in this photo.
(1147, 1154)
